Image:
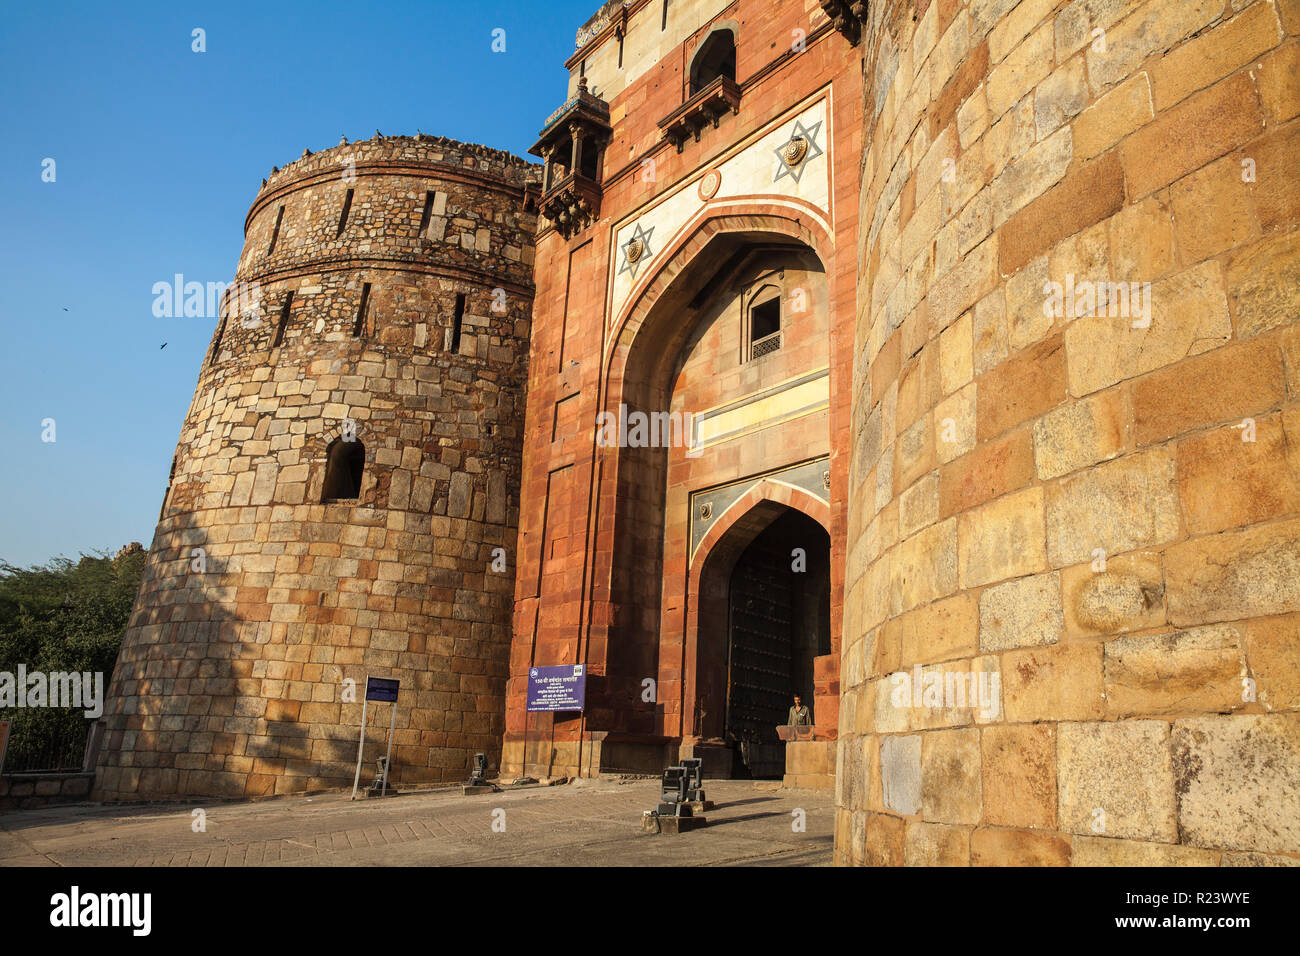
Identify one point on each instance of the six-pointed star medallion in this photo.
(636, 250)
(795, 153)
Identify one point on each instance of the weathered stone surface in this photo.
(918, 506)
(1101, 851)
(883, 840)
(963, 286)
(994, 847)
(1081, 434)
(1019, 21)
(1279, 83)
(933, 844)
(1021, 613)
(1140, 567)
(1258, 859)
(926, 567)
(1060, 97)
(986, 672)
(940, 695)
(1274, 657)
(1002, 539)
(1184, 672)
(989, 329)
(1124, 504)
(458, 499)
(990, 471)
(1214, 54)
(900, 773)
(1142, 242)
(918, 386)
(1222, 386)
(1124, 770)
(1209, 213)
(1290, 342)
(1112, 117)
(850, 837)
(951, 777)
(914, 452)
(955, 357)
(874, 594)
(1127, 596)
(940, 631)
(1028, 177)
(1086, 196)
(1234, 575)
(954, 424)
(1227, 481)
(1019, 765)
(1198, 130)
(889, 717)
(1060, 682)
(1262, 285)
(853, 781)
(1077, 19)
(1022, 387)
(1278, 205)
(869, 443)
(1238, 781)
(1188, 315)
(1023, 67)
(1028, 322)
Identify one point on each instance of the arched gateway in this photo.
(688, 400)
(711, 596)
(759, 621)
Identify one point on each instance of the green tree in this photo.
(63, 616)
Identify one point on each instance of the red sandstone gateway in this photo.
(696, 259)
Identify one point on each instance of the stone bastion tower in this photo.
(344, 497)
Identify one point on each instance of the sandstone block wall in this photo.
(1091, 510)
(261, 600)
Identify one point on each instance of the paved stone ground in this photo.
(588, 822)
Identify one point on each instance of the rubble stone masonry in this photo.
(266, 592)
(1076, 461)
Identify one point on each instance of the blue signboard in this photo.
(381, 688)
(556, 688)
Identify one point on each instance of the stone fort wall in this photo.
(260, 599)
(1096, 505)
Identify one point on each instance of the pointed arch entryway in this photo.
(671, 341)
(757, 620)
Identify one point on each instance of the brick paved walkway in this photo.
(591, 822)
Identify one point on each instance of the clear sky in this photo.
(158, 152)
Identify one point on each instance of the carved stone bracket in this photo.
(572, 204)
(848, 17)
(705, 108)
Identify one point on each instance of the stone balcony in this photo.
(572, 144)
(705, 108)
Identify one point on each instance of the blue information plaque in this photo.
(556, 688)
(381, 688)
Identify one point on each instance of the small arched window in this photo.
(345, 462)
(764, 321)
(716, 57)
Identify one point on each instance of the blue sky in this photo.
(158, 154)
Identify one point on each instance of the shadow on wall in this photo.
(207, 695)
